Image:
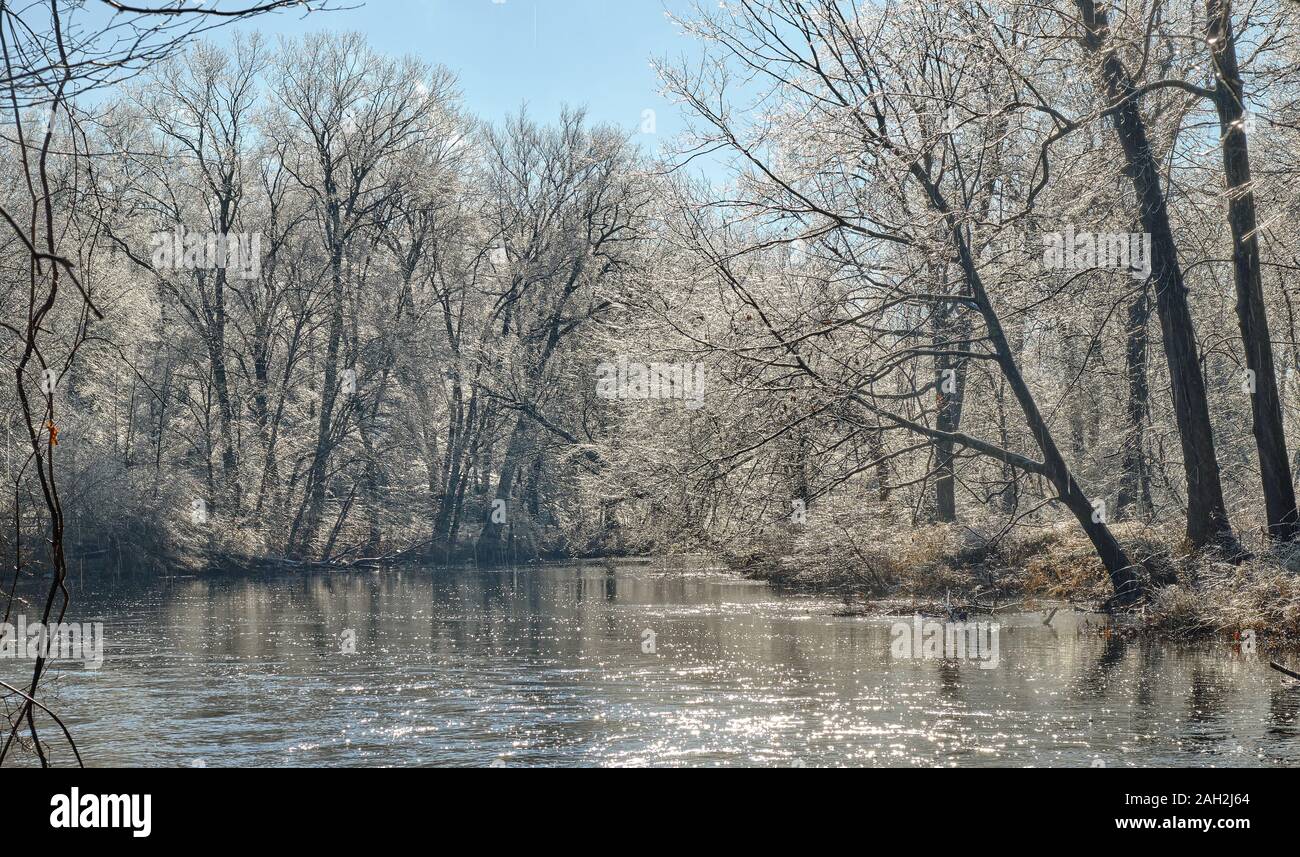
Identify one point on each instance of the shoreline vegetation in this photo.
(935, 570)
(955, 569)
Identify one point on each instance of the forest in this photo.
(931, 297)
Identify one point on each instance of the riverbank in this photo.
(1189, 595)
(881, 565)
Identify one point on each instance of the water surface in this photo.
(549, 667)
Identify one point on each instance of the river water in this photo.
(554, 667)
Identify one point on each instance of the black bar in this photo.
(949, 807)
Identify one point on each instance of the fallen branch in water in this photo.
(1284, 670)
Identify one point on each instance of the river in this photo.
(662, 664)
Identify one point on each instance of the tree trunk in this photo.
(1266, 406)
(1207, 517)
(306, 529)
(1123, 578)
(1135, 476)
(950, 388)
(490, 547)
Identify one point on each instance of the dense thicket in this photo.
(344, 320)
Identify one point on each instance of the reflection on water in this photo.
(547, 667)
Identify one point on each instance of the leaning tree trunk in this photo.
(1266, 405)
(1069, 492)
(1122, 574)
(1207, 516)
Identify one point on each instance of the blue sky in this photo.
(593, 53)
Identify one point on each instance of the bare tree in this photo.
(46, 69)
(861, 92)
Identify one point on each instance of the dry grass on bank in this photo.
(1190, 595)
